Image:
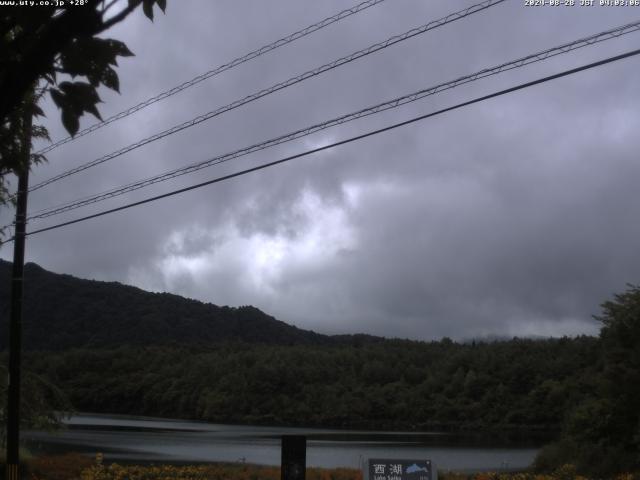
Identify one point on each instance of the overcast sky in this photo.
(515, 216)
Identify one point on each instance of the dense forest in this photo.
(109, 348)
(394, 384)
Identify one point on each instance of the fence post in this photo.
(293, 463)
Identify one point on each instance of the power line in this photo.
(279, 86)
(222, 68)
(387, 105)
(343, 142)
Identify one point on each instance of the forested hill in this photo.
(119, 349)
(62, 311)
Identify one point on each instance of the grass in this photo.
(74, 466)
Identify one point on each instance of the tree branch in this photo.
(120, 16)
(105, 8)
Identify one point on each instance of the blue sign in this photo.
(394, 469)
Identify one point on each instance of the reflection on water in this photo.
(136, 439)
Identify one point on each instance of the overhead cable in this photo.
(222, 68)
(279, 86)
(342, 142)
(380, 107)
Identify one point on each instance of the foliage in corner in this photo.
(602, 434)
(57, 50)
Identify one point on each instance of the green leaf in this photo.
(92, 58)
(92, 109)
(82, 97)
(162, 4)
(75, 98)
(120, 48)
(147, 8)
(38, 131)
(110, 79)
(58, 97)
(37, 158)
(70, 121)
(37, 111)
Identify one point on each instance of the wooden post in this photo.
(293, 464)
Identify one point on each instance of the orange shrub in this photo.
(58, 467)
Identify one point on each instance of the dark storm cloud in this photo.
(510, 217)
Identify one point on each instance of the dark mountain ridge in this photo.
(62, 311)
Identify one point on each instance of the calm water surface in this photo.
(141, 439)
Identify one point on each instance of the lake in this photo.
(143, 439)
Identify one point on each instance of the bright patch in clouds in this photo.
(256, 261)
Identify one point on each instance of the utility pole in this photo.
(15, 325)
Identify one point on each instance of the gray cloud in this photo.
(511, 217)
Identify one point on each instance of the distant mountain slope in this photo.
(62, 311)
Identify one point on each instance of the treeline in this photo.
(394, 384)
